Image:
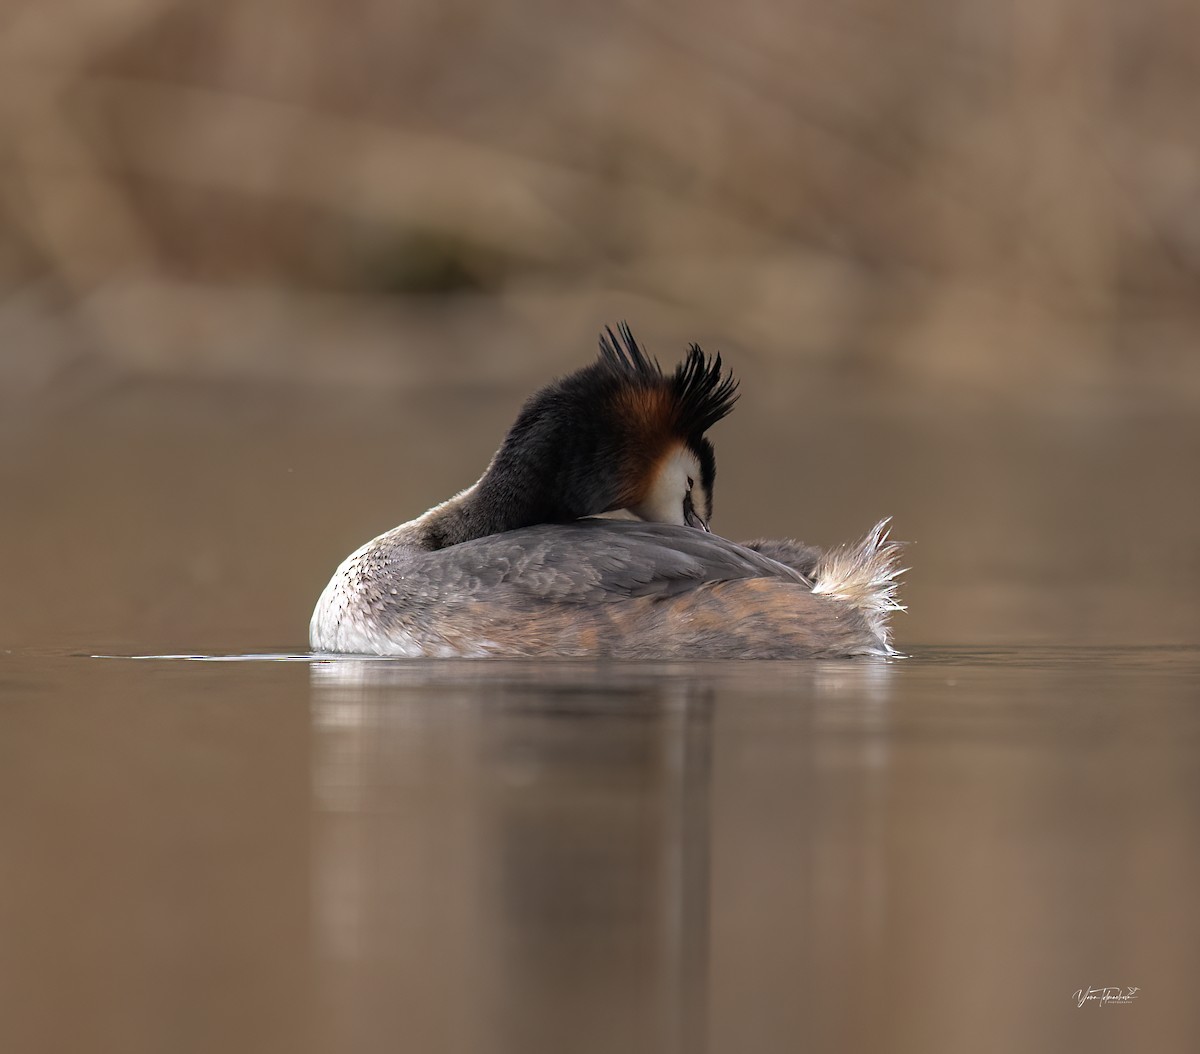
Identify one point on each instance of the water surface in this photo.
(929, 854)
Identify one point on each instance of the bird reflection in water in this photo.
(517, 856)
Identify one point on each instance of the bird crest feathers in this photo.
(697, 394)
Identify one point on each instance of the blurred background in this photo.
(276, 276)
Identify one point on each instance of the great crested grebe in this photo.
(520, 564)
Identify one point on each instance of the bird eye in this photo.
(691, 482)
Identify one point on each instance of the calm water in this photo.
(929, 855)
(932, 854)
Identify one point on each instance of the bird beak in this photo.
(692, 519)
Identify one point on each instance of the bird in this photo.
(588, 535)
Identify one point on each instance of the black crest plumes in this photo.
(704, 395)
(701, 395)
(623, 355)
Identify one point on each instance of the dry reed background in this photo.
(975, 193)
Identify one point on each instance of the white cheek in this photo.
(664, 502)
(665, 508)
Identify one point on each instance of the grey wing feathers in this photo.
(797, 555)
(588, 562)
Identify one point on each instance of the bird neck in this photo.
(458, 519)
(535, 477)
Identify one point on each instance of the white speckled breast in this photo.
(342, 620)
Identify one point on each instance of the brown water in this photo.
(932, 854)
(924, 855)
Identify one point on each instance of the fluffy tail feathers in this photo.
(865, 575)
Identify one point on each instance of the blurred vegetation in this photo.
(958, 192)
